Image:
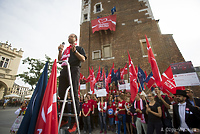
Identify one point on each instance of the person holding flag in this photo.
(74, 55)
(164, 102)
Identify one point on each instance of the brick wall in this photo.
(127, 37)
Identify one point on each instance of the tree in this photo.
(35, 68)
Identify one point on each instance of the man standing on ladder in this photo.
(74, 55)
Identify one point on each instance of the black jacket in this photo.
(192, 116)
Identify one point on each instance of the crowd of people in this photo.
(117, 111)
(146, 114)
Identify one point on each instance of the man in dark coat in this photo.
(191, 99)
(185, 116)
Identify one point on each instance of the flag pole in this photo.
(139, 82)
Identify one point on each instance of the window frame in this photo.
(103, 53)
(143, 41)
(95, 8)
(93, 54)
(4, 61)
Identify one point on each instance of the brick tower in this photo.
(134, 20)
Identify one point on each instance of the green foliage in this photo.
(35, 68)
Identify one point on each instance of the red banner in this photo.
(168, 81)
(105, 23)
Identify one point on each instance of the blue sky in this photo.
(39, 26)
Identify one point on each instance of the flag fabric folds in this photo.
(98, 74)
(150, 81)
(92, 80)
(154, 66)
(104, 23)
(108, 79)
(123, 71)
(30, 118)
(168, 81)
(47, 122)
(133, 79)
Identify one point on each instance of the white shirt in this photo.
(181, 110)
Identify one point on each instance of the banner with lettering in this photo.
(104, 23)
(184, 74)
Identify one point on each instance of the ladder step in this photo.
(68, 114)
(65, 100)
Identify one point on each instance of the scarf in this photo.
(141, 107)
(66, 55)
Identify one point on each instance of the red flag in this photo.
(168, 81)
(108, 79)
(79, 92)
(151, 82)
(154, 66)
(98, 74)
(136, 69)
(88, 79)
(133, 79)
(123, 71)
(105, 79)
(180, 88)
(104, 23)
(47, 122)
(92, 80)
(82, 77)
(109, 75)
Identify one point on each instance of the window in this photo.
(4, 62)
(144, 47)
(85, 16)
(106, 51)
(96, 54)
(98, 8)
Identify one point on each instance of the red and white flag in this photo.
(123, 71)
(154, 66)
(133, 79)
(98, 74)
(151, 82)
(82, 77)
(92, 80)
(108, 79)
(168, 81)
(47, 122)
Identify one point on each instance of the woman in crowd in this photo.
(121, 113)
(20, 112)
(111, 110)
(86, 108)
(96, 116)
(154, 115)
(128, 116)
(102, 107)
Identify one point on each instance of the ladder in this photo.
(65, 100)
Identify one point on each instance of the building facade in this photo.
(134, 20)
(9, 63)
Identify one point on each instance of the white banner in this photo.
(186, 79)
(124, 86)
(101, 92)
(82, 86)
